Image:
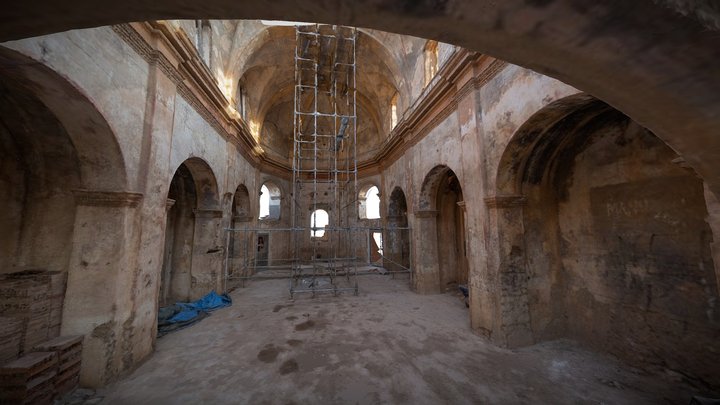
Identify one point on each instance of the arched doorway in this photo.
(193, 252)
(240, 246)
(451, 233)
(397, 235)
(608, 228)
(179, 231)
(441, 209)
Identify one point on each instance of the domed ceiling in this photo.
(260, 63)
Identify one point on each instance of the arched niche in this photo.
(241, 210)
(441, 199)
(606, 233)
(207, 196)
(192, 233)
(396, 247)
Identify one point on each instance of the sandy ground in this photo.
(387, 345)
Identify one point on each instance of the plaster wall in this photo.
(635, 253)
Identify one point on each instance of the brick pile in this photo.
(30, 314)
(68, 350)
(35, 298)
(29, 379)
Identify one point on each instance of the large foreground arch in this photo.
(602, 237)
(642, 57)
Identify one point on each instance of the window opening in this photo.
(318, 221)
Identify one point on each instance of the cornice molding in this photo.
(412, 129)
(94, 198)
(505, 201)
(192, 78)
(170, 49)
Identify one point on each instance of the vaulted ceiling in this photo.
(258, 59)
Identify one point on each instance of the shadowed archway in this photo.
(603, 239)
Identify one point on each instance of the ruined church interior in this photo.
(394, 202)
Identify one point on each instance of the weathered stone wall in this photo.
(637, 273)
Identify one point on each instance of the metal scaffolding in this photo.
(324, 159)
(325, 259)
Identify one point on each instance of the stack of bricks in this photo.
(29, 379)
(11, 334)
(68, 350)
(35, 298)
(22, 297)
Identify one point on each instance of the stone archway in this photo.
(192, 262)
(602, 238)
(397, 236)
(441, 233)
(65, 208)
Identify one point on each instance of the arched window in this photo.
(319, 219)
(240, 100)
(369, 203)
(204, 43)
(431, 61)
(393, 111)
(269, 201)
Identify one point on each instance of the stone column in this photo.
(512, 323)
(463, 260)
(208, 253)
(476, 155)
(241, 245)
(98, 276)
(151, 177)
(426, 275)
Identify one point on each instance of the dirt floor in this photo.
(387, 345)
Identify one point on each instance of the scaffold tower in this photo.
(324, 170)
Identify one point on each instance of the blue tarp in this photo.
(209, 302)
(184, 314)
